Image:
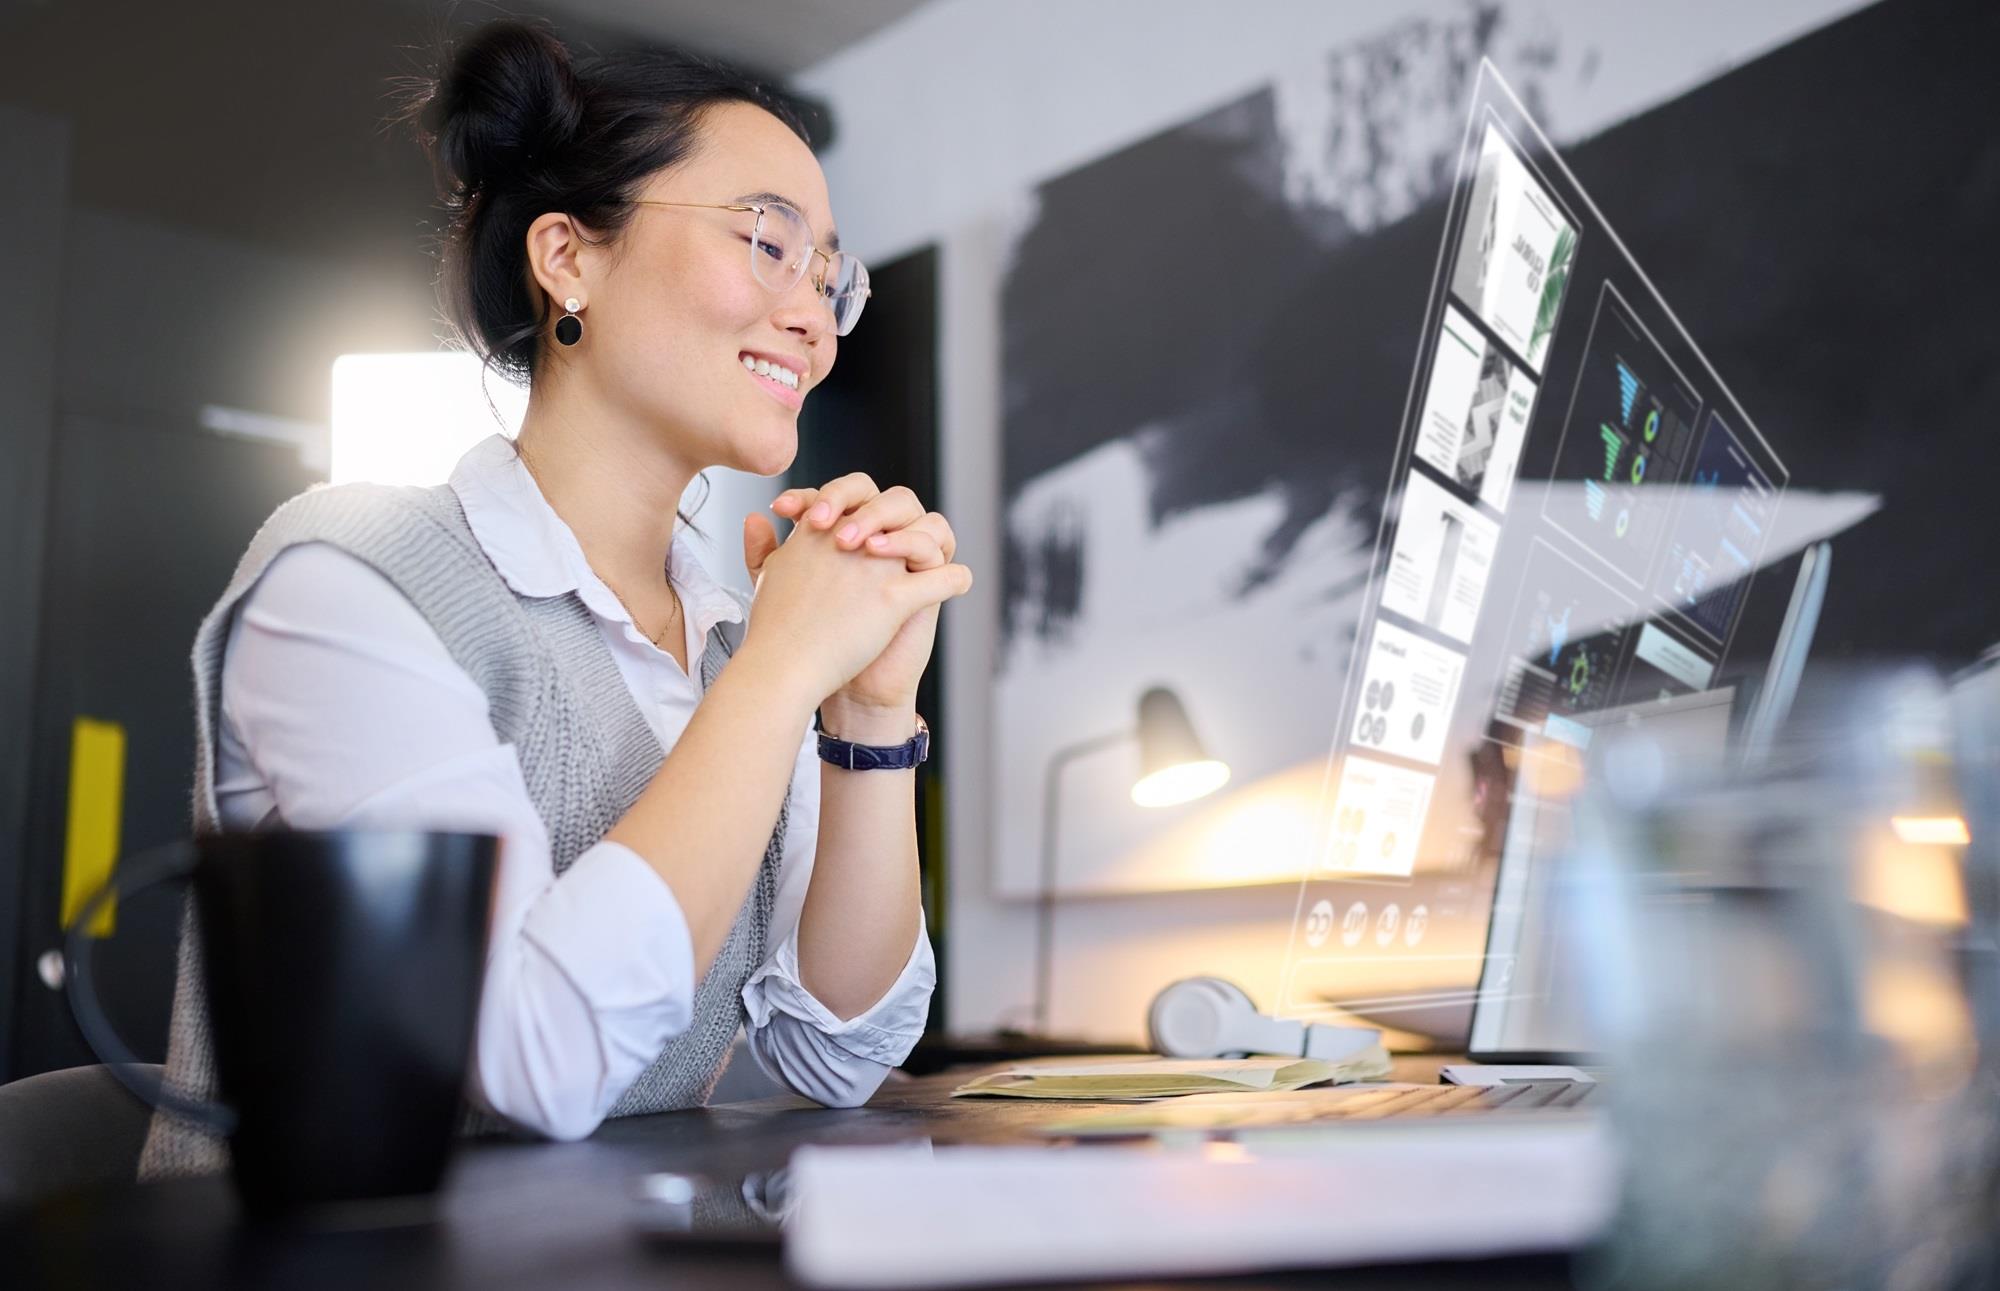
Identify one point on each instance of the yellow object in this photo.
(1231, 1113)
(1143, 1078)
(1923, 884)
(96, 810)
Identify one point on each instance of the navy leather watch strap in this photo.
(875, 757)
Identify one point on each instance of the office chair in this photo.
(63, 1131)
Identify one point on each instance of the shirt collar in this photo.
(538, 554)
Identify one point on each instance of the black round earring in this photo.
(569, 328)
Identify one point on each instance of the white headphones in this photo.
(1207, 1017)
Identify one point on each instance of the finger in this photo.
(760, 539)
(939, 530)
(915, 548)
(792, 503)
(935, 586)
(884, 513)
(839, 497)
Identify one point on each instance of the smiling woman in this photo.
(645, 241)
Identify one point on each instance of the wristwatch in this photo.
(875, 757)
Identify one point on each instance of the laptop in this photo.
(1531, 1046)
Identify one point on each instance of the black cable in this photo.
(172, 861)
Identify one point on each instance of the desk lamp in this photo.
(1173, 768)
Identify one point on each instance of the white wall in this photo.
(947, 120)
(732, 495)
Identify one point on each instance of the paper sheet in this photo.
(1138, 1079)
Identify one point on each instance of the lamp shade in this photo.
(1173, 766)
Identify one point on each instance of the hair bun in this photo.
(508, 98)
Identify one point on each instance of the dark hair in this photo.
(517, 127)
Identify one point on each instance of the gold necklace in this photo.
(673, 613)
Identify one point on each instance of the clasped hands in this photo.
(854, 517)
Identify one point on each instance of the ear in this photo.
(556, 254)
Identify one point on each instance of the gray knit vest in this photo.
(555, 694)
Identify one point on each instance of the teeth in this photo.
(765, 368)
(785, 376)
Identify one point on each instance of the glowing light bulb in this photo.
(1184, 782)
(1935, 831)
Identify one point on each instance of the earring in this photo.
(569, 328)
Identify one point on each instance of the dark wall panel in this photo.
(34, 187)
(146, 523)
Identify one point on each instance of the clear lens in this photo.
(846, 291)
(780, 247)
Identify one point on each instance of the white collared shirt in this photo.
(342, 707)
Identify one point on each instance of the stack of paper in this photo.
(1138, 1079)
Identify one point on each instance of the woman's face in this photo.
(674, 306)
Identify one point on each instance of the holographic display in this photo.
(1378, 818)
(1408, 694)
(1718, 537)
(1664, 667)
(1569, 537)
(1476, 412)
(1515, 252)
(1563, 644)
(1442, 559)
(1628, 433)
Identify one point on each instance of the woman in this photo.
(534, 649)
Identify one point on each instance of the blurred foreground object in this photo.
(1792, 965)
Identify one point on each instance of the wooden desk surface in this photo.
(562, 1214)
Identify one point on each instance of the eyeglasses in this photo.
(781, 246)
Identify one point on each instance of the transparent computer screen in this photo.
(1582, 523)
(1534, 999)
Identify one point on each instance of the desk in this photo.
(559, 1214)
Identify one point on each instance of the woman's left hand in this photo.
(885, 523)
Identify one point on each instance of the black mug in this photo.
(343, 972)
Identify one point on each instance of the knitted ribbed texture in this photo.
(555, 694)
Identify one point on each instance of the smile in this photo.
(778, 381)
(776, 371)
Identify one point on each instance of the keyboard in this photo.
(1366, 1104)
(1225, 1113)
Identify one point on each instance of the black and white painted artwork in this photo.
(1208, 342)
(1205, 356)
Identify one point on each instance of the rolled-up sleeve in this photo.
(798, 1040)
(342, 708)
(795, 1038)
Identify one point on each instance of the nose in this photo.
(804, 311)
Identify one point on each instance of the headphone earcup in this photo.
(1197, 1017)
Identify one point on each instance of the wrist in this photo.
(865, 722)
(771, 676)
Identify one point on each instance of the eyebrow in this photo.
(832, 235)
